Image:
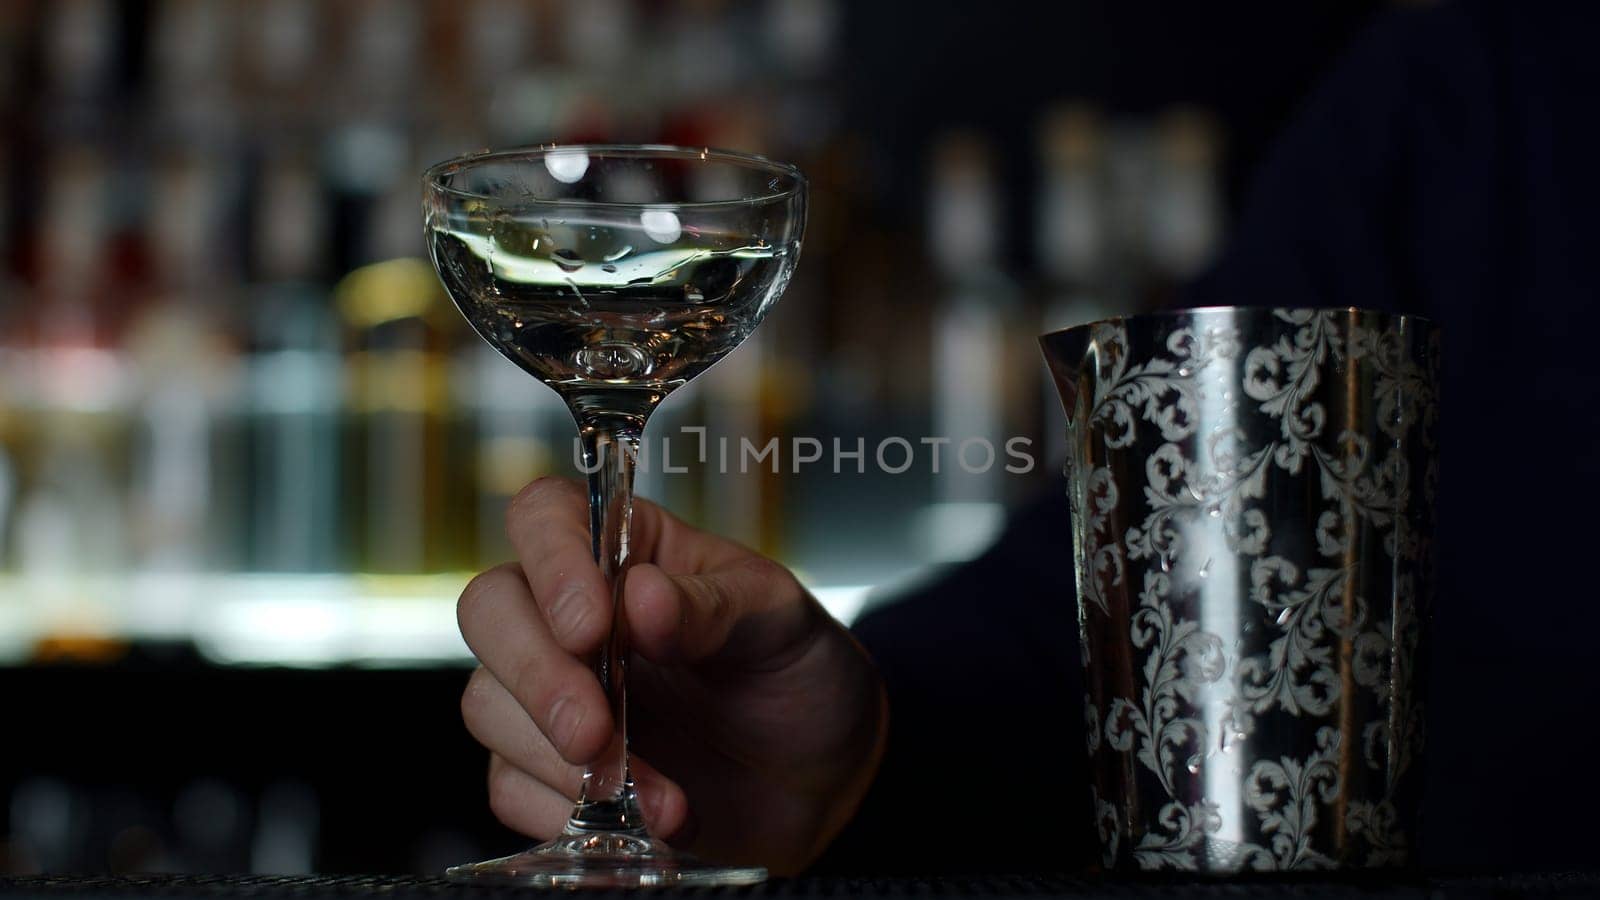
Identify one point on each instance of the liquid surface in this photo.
(583, 310)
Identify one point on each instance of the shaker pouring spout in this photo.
(1063, 353)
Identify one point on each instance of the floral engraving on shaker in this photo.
(1182, 658)
(1185, 828)
(1100, 562)
(1379, 823)
(1175, 486)
(1283, 377)
(1305, 487)
(1306, 613)
(1285, 793)
(1403, 390)
(1163, 390)
(1109, 826)
(1389, 744)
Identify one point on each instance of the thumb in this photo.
(751, 613)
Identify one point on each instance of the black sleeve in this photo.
(1383, 191)
(985, 769)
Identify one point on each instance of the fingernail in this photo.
(569, 610)
(565, 717)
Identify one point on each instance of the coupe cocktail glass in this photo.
(614, 274)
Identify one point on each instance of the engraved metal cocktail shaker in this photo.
(1252, 495)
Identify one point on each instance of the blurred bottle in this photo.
(189, 71)
(518, 430)
(732, 502)
(185, 370)
(704, 52)
(283, 40)
(803, 35)
(49, 819)
(403, 473)
(365, 163)
(72, 434)
(596, 35)
(294, 377)
(597, 43)
(8, 469)
(126, 831)
(280, 70)
(403, 482)
(80, 44)
(9, 256)
(837, 359)
(1073, 244)
(572, 74)
(1184, 225)
(10, 315)
(382, 56)
(288, 820)
(211, 826)
(496, 40)
(972, 356)
(1130, 156)
(732, 395)
(495, 43)
(72, 251)
(802, 111)
(1073, 232)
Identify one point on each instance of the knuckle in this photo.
(536, 688)
(708, 598)
(528, 685)
(775, 580)
(574, 618)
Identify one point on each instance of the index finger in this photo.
(677, 547)
(547, 523)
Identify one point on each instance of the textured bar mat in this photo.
(353, 887)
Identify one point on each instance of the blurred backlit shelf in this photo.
(222, 349)
(258, 619)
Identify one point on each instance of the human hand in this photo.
(756, 723)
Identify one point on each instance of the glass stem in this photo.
(610, 441)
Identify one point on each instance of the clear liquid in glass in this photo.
(596, 314)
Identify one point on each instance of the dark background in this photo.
(126, 753)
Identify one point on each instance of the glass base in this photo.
(579, 859)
